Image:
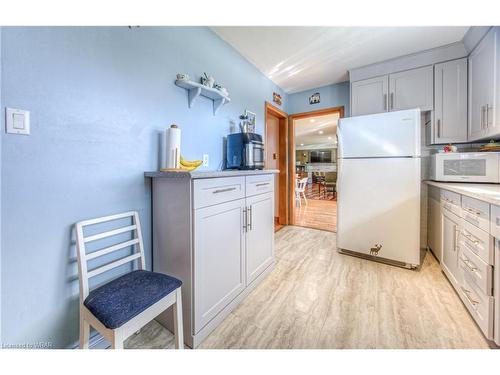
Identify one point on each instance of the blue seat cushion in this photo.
(118, 301)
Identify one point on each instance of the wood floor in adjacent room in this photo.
(318, 298)
(317, 214)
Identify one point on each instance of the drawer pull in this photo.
(468, 264)
(263, 184)
(471, 238)
(472, 211)
(467, 295)
(223, 190)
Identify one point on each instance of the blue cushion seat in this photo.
(118, 301)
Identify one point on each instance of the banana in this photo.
(190, 164)
(184, 168)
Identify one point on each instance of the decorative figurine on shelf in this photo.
(450, 148)
(207, 80)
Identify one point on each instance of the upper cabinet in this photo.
(450, 102)
(369, 96)
(484, 78)
(411, 89)
(393, 92)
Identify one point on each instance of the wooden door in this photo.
(450, 90)
(219, 258)
(412, 89)
(273, 155)
(369, 96)
(260, 235)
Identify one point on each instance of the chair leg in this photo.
(84, 333)
(178, 328)
(117, 342)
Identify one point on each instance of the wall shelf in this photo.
(196, 89)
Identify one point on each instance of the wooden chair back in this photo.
(83, 257)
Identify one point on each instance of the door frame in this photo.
(283, 214)
(291, 148)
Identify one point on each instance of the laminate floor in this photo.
(318, 298)
(317, 214)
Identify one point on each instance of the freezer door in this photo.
(391, 134)
(379, 205)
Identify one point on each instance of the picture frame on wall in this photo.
(251, 116)
(315, 98)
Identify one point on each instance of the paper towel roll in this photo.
(173, 147)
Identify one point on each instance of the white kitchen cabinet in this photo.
(219, 258)
(450, 102)
(259, 235)
(435, 220)
(449, 261)
(216, 234)
(412, 89)
(483, 87)
(369, 96)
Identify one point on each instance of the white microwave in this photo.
(466, 167)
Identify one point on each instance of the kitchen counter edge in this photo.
(489, 193)
(209, 174)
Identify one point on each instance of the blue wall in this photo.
(331, 96)
(99, 97)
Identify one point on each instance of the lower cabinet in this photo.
(217, 236)
(219, 258)
(451, 230)
(435, 220)
(259, 237)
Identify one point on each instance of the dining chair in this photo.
(330, 184)
(300, 188)
(124, 305)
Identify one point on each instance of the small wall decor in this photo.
(277, 98)
(251, 118)
(314, 98)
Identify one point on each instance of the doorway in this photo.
(313, 168)
(276, 157)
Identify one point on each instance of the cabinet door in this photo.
(492, 69)
(435, 229)
(369, 96)
(449, 261)
(482, 65)
(450, 109)
(412, 89)
(219, 258)
(260, 235)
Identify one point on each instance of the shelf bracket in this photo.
(193, 94)
(218, 103)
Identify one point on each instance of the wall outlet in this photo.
(205, 160)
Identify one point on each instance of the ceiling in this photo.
(300, 58)
(308, 132)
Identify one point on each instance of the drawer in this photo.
(480, 272)
(259, 184)
(495, 221)
(479, 305)
(477, 241)
(476, 212)
(451, 201)
(210, 191)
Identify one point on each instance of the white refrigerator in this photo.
(378, 186)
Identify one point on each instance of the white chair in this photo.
(124, 305)
(300, 189)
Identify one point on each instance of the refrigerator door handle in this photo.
(385, 102)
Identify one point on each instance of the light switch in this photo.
(17, 121)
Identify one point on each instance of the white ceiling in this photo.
(300, 58)
(308, 136)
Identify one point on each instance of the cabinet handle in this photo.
(250, 224)
(471, 238)
(263, 184)
(245, 220)
(472, 211)
(468, 264)
(392, 101)
(385, 102)
(467, 295)
(482, 117)
(223, 190)
(439, 128)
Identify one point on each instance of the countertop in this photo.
(485, 192)
(209, 174)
